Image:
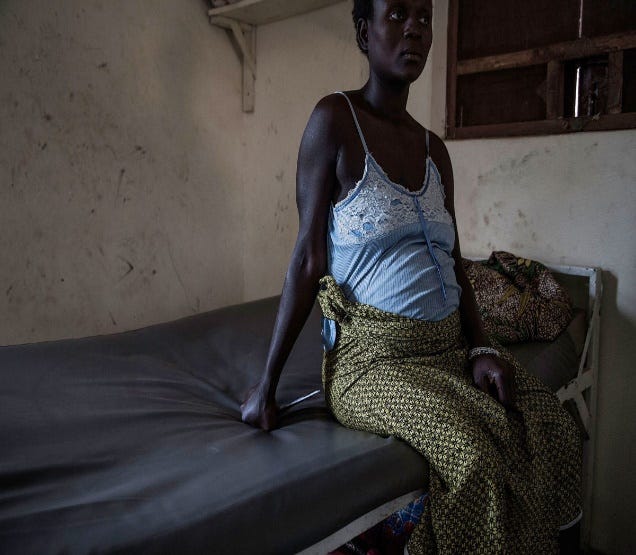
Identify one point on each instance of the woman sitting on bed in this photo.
(405, 350)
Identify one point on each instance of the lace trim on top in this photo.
(377, 206)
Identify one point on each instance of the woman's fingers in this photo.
(257, 411)
(482, 379)
(501, 390)
(269, 421)
(504, 390)
(495, 377)
(483, 383)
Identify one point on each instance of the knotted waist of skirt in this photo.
(376, 328)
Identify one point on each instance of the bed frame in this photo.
(585, 287)
(583, 389)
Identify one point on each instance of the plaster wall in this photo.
(121, 197)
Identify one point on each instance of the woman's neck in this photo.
(386, 100)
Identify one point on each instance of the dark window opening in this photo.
(548, 66)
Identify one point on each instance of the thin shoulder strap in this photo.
(353, 112)
(428, 150)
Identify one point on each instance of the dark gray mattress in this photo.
(133, 443)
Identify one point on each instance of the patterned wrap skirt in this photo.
(501, 481)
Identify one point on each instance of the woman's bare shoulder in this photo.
(329, 109)
(439, 152)
(436, 139)
(441, 158)
(324, 128)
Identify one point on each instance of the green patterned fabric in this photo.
(501, 482)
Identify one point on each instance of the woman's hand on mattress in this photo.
(258, 410)
(495, 377)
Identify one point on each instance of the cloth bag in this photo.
(518, 299)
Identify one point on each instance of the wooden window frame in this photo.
(554, 55)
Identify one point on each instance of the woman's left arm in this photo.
(492, 374)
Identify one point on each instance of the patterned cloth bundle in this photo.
(518, 299)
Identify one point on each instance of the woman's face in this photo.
(398, 38)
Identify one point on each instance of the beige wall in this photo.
(208, 199)
(121, 196)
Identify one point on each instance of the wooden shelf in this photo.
(259, 12)
(243, 17)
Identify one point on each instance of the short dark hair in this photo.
(362, 9)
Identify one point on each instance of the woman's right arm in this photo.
(315, 183)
